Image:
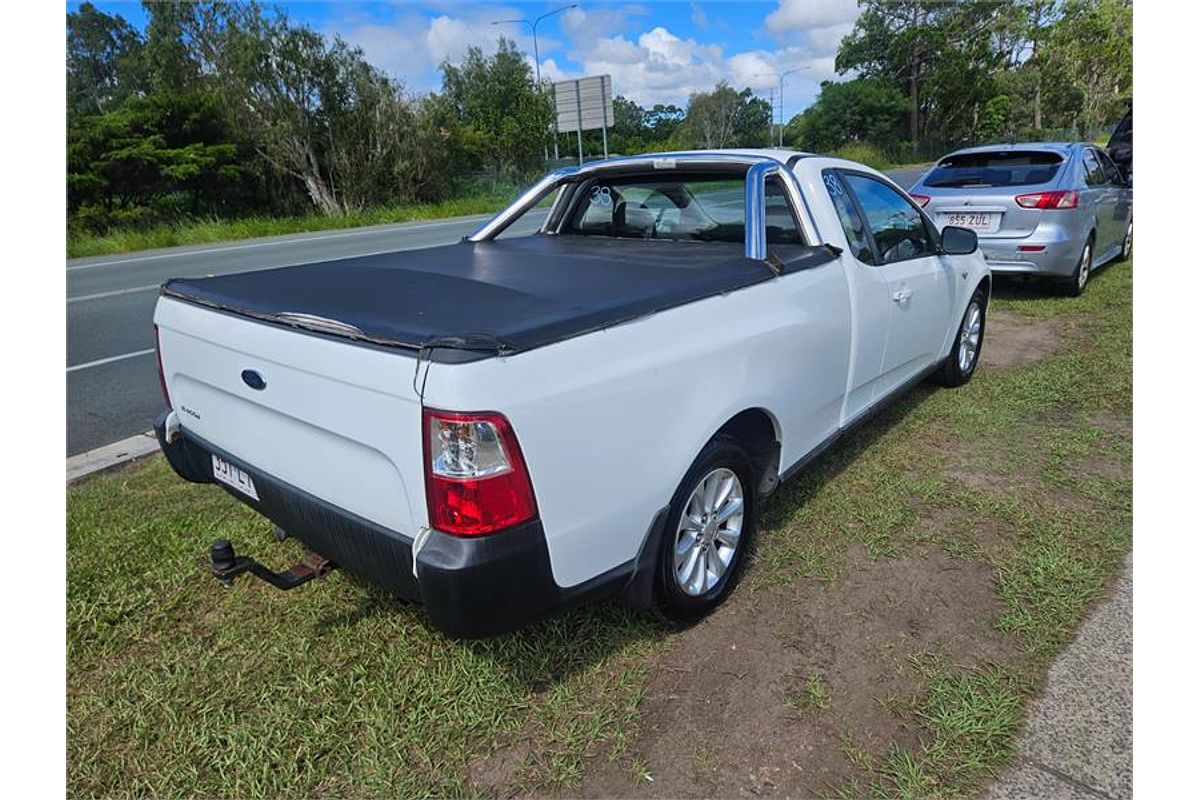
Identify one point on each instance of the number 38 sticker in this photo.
(601, 196)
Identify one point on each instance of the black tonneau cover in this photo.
(466, 301)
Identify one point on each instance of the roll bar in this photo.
(759, 169)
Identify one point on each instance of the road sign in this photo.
(584, 105)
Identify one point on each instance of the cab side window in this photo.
(781, 222)
(852, 223)
(895, 224)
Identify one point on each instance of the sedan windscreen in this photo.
(981, 170)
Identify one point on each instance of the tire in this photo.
(692, 585)
(960, 365)
(1127, 243)
(1083, 271)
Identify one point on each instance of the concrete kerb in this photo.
(1078, 742)
(110, 455)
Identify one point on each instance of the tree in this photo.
(315, 110)
(155, 158)
(166, 60)
(1090, 51)
(863, 110)
(504, 117)
(725, 117)
(639, 130)
(102, 60)
(939, 54)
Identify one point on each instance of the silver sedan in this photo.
(1054, 210)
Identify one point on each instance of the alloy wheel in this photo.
(709, 531)
(1085, 265)
(969, 336)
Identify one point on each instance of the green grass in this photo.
(176, 687)
(81, 244)
(812, 697)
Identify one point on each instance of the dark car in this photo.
(1120, 144)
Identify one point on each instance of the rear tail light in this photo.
(162, 375)
(920, 199)
(476, 481)
(1049, 200)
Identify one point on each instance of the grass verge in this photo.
(217, 230)
(176, 687)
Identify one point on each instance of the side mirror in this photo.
(959, 241)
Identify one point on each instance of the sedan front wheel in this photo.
(960, 365)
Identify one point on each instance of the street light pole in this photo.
(781, 76)
(537, 58)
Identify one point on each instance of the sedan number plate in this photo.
(975, 221)
(230, 475)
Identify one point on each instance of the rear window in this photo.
(994, 169)
(700, 208)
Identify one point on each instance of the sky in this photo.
(656, 52)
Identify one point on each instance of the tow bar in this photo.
(227, 565)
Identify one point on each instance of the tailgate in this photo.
(338, 420)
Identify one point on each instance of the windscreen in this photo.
(981, 170)
(697, 208)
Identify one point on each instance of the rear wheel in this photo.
(960, 365)
(710, 529)
(1083, 271)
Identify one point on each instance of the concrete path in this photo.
(1079, 740)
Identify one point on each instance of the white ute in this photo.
(505, 426)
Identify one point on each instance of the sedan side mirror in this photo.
(959, 241)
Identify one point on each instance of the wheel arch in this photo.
(757, 430)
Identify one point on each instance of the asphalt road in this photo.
(112, 382)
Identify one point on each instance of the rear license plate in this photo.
(230, 475)
(976, 221)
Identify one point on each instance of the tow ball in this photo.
(227, 565)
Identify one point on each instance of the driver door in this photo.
(920, 291)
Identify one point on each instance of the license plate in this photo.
(975, 221)
(230, 475)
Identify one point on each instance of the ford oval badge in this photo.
(253, 380)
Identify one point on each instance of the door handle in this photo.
(902, 294)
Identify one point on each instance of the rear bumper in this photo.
(471, 587)
(1057, 258)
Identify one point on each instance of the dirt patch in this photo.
(491, 776)
(1012, 340)
(1121, 425)
(728, 712)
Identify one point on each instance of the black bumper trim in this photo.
(470, 587)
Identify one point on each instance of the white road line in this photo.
(116, 293)
(111, 359)
(250, 245)
(149, 286)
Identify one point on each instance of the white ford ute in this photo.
(505, 426)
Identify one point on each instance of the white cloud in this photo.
(795, 15)
(699, 17)
(755, 69)
(828, 38)
(411, 47)
(653, 66)
(448, 38)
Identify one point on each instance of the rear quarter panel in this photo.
(609, 422)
